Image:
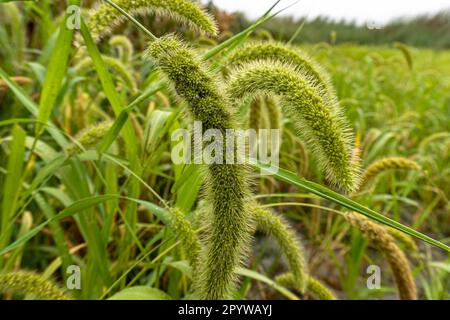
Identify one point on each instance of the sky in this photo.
(362, 11)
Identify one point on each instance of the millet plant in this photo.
(226, 83)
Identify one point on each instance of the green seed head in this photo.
(316, 288)
(276, 227)
(380, 166)
(104, 18)
(89, 137)
(407, 241)
(33, 284)
(273, 51)
(323, 130)
(184, 230)
(124, 46)
(229, 222)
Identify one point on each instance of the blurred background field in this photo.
(393, 83)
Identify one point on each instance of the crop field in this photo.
(106, 192)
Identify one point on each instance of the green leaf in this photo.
(29, 104)
(73, 209)
(140, 293)
(158, 120)
(108, 86)
(122, 118)
(13, 182)
(55, 72)
(44, 173)
(335, 197)
(441, 265)
(39, 71)
(182, 266)
(159, 212)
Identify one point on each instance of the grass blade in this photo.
(55, 71)
(13, 182)
(335, 197)
(29, 104)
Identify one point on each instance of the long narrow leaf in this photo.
(335, 197)
(12, 185)
(56, 70)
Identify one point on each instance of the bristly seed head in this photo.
(385, 164)
(323, 130)
(104, 18)
(230, 222)
(273, 51)
(276, 227)
(396, 258)
(89, 137)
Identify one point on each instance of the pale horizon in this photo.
(380, 12)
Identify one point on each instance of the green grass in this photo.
(104, 208)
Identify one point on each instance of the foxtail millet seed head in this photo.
(124, 46)
(278, 228)
(391, 163)
(89, 137)
(104, 18)
(229, 222)
(315, 288)
(322, 129)
(32, 284)
(386, 243)
(274, 51)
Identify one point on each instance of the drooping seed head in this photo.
(276, 227)
(229, 222)
(386, 244)
(124, 45)
(89, 137)
(184, 230)
(404, 239)
(273, 51)
(380, 166)
(104, 18)
(316, 288)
